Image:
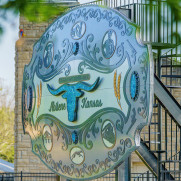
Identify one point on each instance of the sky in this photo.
(7, 50)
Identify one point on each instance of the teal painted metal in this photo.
(83, 121)
(72, 92)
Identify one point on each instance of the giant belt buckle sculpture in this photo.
(87, 92)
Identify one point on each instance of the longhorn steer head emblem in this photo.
(72, 92)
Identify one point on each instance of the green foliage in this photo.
(7, 134)
(175, 5)
(35, 11)
(1, 30)
(6, 123)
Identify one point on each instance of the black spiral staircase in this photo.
(160, 148)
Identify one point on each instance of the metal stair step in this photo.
(154, 123)
(157, 45)
(155, 142)
(168, 66)
(156, 133)
(172, 76)
(171, 171)
(173, 86)
(158, 151)
(145, 141)
(170, 161)
(151, 142)
(170, 56)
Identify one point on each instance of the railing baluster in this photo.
(146, 22)
(167, 24)
(171, 138)
(176, 140)
(166, 135)
(150, 22)
(163, 24)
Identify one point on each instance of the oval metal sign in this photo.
(87, 92)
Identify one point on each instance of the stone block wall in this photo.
(25, 160)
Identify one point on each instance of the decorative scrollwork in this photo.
(143, 111)
(86, 14)
(133, 120)
(57, 60)
(62, 58)
(120, 51)
(124, 144)
(90, 53)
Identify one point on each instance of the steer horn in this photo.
(72, 92)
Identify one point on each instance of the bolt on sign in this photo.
(87, 92)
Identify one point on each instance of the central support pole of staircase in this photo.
(124, 171)
(159, 106)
